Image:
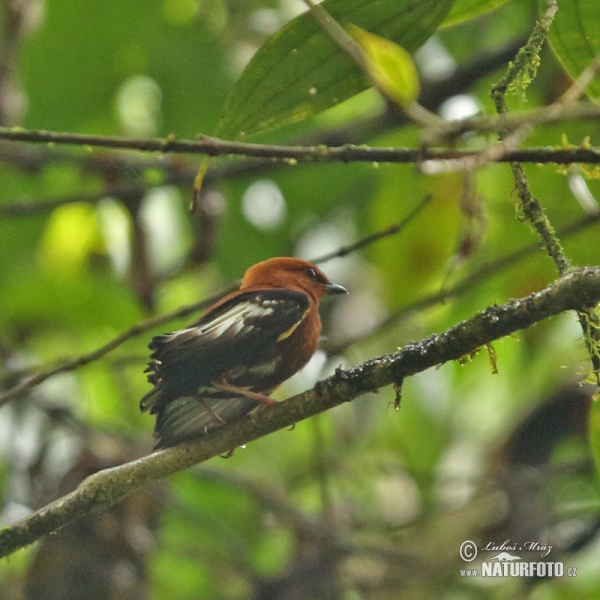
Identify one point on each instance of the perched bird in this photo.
(229, 361)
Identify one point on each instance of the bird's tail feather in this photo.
(188, 418)
(149, 399)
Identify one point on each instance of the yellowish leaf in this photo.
(390, 66)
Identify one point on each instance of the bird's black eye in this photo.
(311, 273)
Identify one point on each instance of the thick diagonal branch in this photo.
(575, 290)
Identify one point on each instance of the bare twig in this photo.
(143, 326)
(34, 158)
(465, 285)
(493, 153)
(573, 291)
(84, 359)
(433, 93)
(509, 140)
(448, 159)
(556, 112)
(374, 237)
(346, 153)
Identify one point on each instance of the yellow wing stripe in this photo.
(286, 334)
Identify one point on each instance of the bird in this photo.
(227, 363)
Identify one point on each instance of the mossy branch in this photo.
(519, 75)
(577, 289)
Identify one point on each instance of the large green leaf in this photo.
(300, 71)
(464, 10)
(575, 37)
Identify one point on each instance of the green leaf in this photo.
(390, 66)
(300, 71)
(465, 10)
(575, 38)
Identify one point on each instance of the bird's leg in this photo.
(219, 418)
(212, 412)
(228, 387)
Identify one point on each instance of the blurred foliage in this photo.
(361, 502)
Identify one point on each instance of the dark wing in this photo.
(239, 334)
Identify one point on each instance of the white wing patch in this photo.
(235, 333)
(237, 343)
(232, 321)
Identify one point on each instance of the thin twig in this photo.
(346, 153)
(493, 153)
(433, 94)
(374, 237)
(467, 284)
(555, 113)
(144, 326)
(84, 359)
(564, 156)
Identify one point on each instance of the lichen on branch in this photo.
(576, 290)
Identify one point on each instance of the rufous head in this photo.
(290, 273)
